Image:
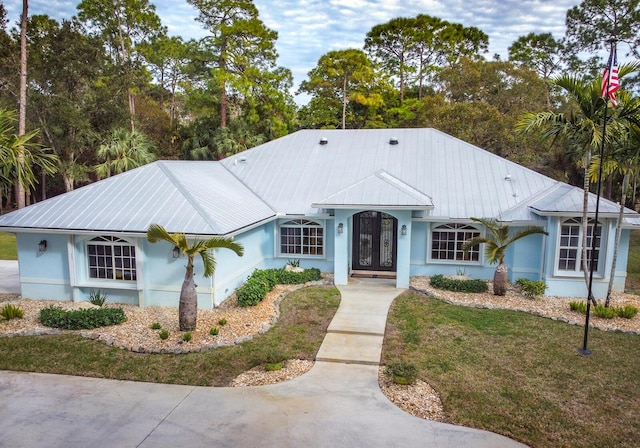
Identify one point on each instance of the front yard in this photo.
(521, 375)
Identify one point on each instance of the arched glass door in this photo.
(374, 241)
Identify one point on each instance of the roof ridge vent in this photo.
(324, 141)
(393, 141)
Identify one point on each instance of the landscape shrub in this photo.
(214, 331)
(578, 306)
(186, 337)
(604, 312)
(628, 311)
(84, 319)
(262, 281)
(97, 298)
(441, 282)
(10, 311)
(531, 288)
(164, 334)
(222, 322)
(403, 372)
(296, 278)
(156, 326)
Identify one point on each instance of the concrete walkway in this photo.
(9, 277)
(337, 404)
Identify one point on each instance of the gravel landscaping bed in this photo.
(556, 308)
(419, 399)
(136, 334)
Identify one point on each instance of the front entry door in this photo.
(374, 241)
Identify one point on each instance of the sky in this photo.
(307, 29)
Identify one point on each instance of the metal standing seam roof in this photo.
(305, 173)
(309, 169)
(193, 197)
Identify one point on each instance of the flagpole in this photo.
(584, 350)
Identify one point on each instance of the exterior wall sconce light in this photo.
(340, 228)
(403, 230)
(175, 252)
(42, 246)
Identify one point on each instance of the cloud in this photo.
(309, 28)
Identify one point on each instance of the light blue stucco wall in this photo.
(44, 275)
(48, 275)
(564, 285)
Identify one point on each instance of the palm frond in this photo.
(156, 233)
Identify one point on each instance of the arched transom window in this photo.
(302, 237)
(447, 241)
(111, 258)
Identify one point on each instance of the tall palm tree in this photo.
(123, 151)
(581, 127)
(624, 160)
(19, 155)
(188, 309)
(496, 244)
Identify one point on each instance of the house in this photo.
(392, 202)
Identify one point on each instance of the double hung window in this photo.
(570, 247)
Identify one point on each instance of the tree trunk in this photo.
(585, 222)
(625, 187)
(188, 310)
(22, 114)
(344, 102)
(500, 279)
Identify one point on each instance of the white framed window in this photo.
(111, 258)
(302, 237)
(447, 241)
(570, 245)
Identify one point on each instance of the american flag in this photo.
(610, 81)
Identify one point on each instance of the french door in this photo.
(374, 241)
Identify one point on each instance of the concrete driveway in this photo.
(9, 277)
(337, 404)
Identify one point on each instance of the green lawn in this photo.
(633, 265)
(8, 248)
(521, 375)
(305, 315)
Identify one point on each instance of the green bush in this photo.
(628, 312)
(403, 372)
(578, 306)
(87, 319)
(531, 288)
(296, 278)
(275, 355)
(214, 331)
(604, 312)
(164, 334)
(262, 281)
(97, 298)
(252, 292)
(10, 311)
(449, 284)
(222, 322)
(186, 337)
(156, 326)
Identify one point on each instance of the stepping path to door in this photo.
(337, 404)
(356, 332)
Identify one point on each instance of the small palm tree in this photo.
(496, 244)
(188, 309)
